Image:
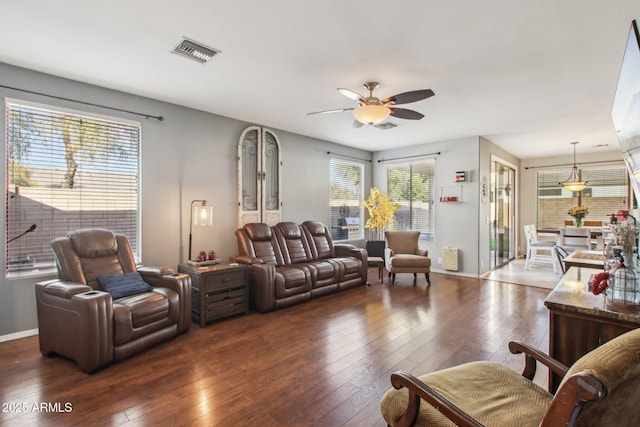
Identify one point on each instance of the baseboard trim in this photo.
(18, 335)
(454, 273)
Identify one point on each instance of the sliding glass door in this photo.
(503, 214)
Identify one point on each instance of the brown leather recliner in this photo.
(79, 320)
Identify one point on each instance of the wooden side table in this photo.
(218, 291)
(379, 262)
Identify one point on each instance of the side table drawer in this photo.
(226, 302)
(224, 281)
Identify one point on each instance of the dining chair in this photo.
(560, 254)
(538, 250)
(574, 238)
(592, 223)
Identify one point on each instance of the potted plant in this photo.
(381, 211)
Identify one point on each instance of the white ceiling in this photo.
(530, 75)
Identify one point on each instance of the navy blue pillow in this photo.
(123, 285)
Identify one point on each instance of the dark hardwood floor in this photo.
(323, 363)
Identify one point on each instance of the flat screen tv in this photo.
(625, 111)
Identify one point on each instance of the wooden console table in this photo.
(580, 321)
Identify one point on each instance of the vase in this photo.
(623, 291)
(578, 221)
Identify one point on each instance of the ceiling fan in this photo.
(372, 110)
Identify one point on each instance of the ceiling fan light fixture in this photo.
(573, 183)
(371, 114)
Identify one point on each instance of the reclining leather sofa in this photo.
(79, 320)
(291, 263)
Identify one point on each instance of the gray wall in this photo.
(456, 223)
(460, 225)
(190, 155)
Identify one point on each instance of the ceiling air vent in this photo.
(387, 125)
(195, 51)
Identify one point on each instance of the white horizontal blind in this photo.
(66, 171)
(412, 186)
(345, 196)
(607, 191)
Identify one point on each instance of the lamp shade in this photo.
(371, 114)
(203, 215)
(573, 183)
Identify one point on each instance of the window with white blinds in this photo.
(345, 196)
(412, 186)
(607, 191)
(66, 170)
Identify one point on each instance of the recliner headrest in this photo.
(290, 230)
(93, 242)
(258, 231)
(316, 228)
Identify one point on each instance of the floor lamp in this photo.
(200, 215)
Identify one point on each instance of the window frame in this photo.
(427, 233)
(333, 227)
(121, 161)
(554, 190)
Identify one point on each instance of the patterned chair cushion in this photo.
(491, 393)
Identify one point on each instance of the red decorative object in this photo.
(600, 282)
(622, 214)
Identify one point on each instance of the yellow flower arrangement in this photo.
(578, 213)
(381, 212)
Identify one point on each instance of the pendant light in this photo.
(573, 183)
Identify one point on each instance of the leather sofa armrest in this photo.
(154, 271)
(344, 246)
(343, 249)
(262, 284)
(78, 326)
(422, 252)
(245, 259)
(180, 283)
(62, 289)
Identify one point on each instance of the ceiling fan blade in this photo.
(350, 94)
(403, 113)
(357, 124)
(408, 97)
(341, 110)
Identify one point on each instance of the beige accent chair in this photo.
(78, 319)
(600, 389)
(402, 255)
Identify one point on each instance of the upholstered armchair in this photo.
(600, 389)
(402, 255)
(102, 308)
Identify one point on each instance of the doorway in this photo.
(503, 212)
